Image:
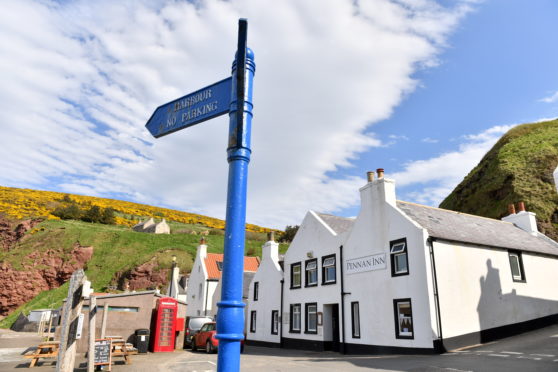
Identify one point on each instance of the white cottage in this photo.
(413, 278)
(204, 280)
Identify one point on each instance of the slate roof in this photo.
(213, 272)
(337, 224)
(467, 228)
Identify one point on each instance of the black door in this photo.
(335, 327)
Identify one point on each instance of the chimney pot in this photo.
(380, 172)
(271, 236)
(370, 176)
(511, 209)
(521, 206)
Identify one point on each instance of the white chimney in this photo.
(202, 249)
(378, 191)
(523, 219)
(270, 250)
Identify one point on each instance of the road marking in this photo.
(527, 357)
(511, 352)
(554, 336)
(499, 355)
(483, 351)
(544, 355)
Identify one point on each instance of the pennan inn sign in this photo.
(367, 263)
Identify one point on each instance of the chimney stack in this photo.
(511, 208)
(271, 236)
(521, 206)
(380, 172)
(370, 176)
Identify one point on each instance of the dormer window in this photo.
(220, 265)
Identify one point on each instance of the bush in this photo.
(289, 234)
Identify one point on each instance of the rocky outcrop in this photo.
(41, 271)
(145, 276)
(9, 237)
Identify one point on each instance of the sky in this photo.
(421, 88)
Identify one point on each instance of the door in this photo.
(335, 327)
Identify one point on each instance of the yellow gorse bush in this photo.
(26, 203)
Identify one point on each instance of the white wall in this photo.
(269, 277)
(198, 277)
(313, 235)
(378, 223)
(556, 178)
(477, 292)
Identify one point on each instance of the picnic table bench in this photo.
(121, 348)
(48, 349)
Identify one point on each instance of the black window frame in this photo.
(392, 256)
(307, 318)
(518, 254)
(293, 265)
(274, 313)
(306, 263)
(355, 330)
(291, 329)
(396, 318)
(253, 317)
(324, 282)
(256, 290)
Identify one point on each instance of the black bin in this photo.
(142, 340)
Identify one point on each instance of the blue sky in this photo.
(422, 88)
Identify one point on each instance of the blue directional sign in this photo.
(194, 108)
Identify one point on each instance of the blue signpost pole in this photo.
(230, 315)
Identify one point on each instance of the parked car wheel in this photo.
(209, 348)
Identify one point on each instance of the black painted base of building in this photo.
(492, 334)
(438, 346)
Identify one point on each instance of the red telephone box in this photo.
(165, 324)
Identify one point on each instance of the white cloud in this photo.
(550, 99)
(429, 140)
(441, 174)
(80, 79)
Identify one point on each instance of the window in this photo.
(274, 322)
(403, 318)
(355, 315)
(256, 290)
(516, 264)
(311, 324)
(295, 275)
(311, 272)
(398, 254)
(252, 321)
(219, 265)
(328, 269)
(295, 318)
(200, 289)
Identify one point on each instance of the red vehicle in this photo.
(205, 339)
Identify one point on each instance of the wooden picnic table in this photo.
(121, 348)
(48, 349)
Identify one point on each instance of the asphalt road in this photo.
(533, 351)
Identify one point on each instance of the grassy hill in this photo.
(518, 168)
(117, 249)
(26, 203)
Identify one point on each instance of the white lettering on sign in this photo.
(368, 263)
(192, 100)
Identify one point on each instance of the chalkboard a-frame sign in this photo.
(103, 348)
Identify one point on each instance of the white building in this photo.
(204, 279)
(149, 226)
(556, 178)
(413, 279)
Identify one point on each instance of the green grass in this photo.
(518, 168)
(116, 250)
